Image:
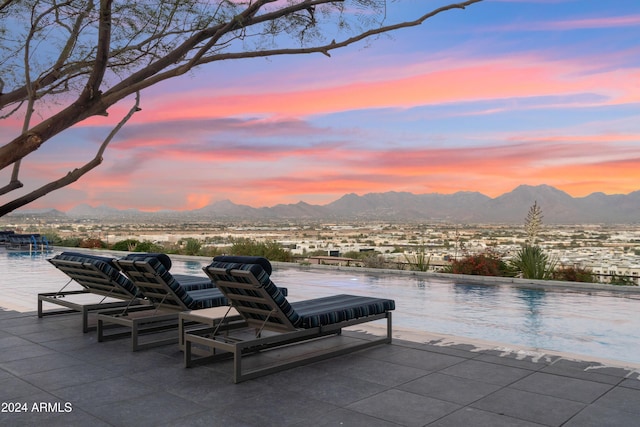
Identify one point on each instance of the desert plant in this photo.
(125, 245)
(271, 250)
(618, 280)
(92, 244)
(532, 263)
(420, 261)
(484, 264)
(573, 274)
(532, 223)
(192, 246)
(70, 242)
(374, 261)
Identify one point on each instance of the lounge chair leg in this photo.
(187, 354)
(100, 333)
(134, 336)
(237, 365)
(85, 320)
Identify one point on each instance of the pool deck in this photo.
(418, 381)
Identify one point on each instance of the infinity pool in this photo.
(600, 324)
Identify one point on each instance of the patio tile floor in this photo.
(74, 380)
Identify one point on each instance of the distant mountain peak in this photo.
(463, 206)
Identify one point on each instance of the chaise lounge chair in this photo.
(277, 323)
(167, 294)
(97, 275)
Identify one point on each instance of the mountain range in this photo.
(462, 207)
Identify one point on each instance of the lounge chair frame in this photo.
(160, 316)
(94, 281)
(223, 343)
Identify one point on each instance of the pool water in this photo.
(600, 324)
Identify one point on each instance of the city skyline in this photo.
(501, 94)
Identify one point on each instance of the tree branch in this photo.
(73, 175)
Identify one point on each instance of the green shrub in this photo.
(71, 242)
(92, 244)
(622, 281)
(271, 250)
(483, 264)
(420, 261)
(133, 245)
(127, 245)
(573, 274)
(532, 263)
(192, 246)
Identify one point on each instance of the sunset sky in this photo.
(506, 92)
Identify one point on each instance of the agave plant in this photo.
(420, 261)
(533, 263)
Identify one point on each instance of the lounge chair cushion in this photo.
(239, 259)
(278, 294)
(163, 258)
(193, 284)
(104, 264)
(338, 308)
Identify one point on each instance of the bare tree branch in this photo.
(75, 174)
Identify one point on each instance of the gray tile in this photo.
(517, 360)
(566, 388)
(339, 390)
(28, 328)
(372, 370)
(150, 410)
(11, 341)
(73, 343)
(13, 388)
(478, 418)
(631, 383)
(208, 419)
(277, 409)
(420, 359)
(4, 373)
(599, 416)
(460, 350)
(167, 376)
(210, 389)
(590, 371)
(458, 390)
(345, 417)
(102, 392)
(43, 336)
(487, 372)
(23, 351)
(528, 406)
(62, 419)
(622, 399)
(40, 363)
(404, 408)
(67, 376)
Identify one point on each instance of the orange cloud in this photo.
(523, 76)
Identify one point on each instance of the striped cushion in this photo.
(207, 298)
(243, 259)
(104, 264)
(277, 294)
(339, 308)
(184, 293)
(193, 283)
(163, 258)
